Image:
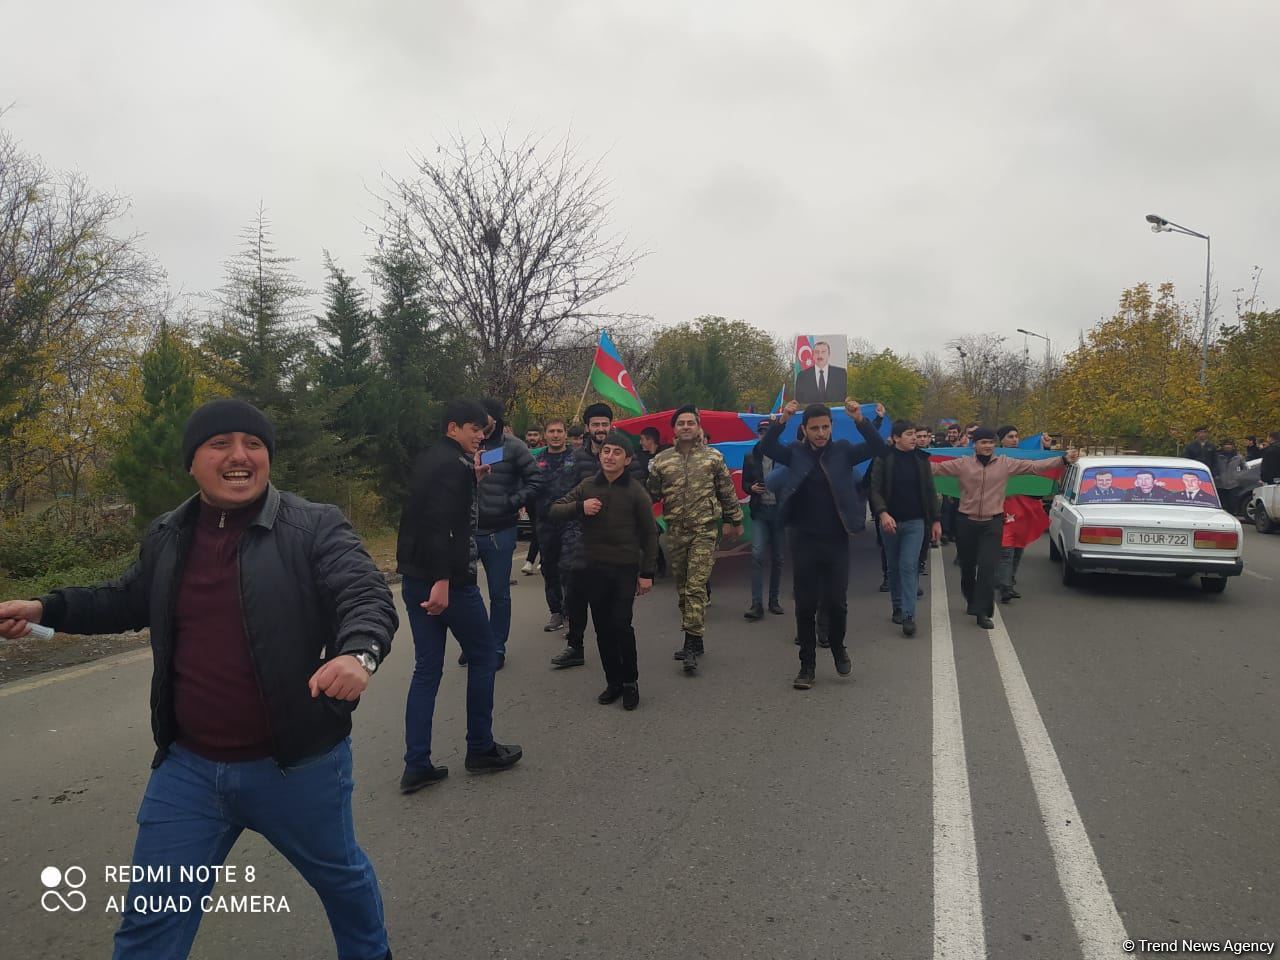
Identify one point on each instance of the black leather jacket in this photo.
(308, 592)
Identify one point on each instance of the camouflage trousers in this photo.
(690, 556)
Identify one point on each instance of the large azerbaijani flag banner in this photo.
(611, 380)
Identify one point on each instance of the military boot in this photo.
(692, 650)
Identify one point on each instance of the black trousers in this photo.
(978, 547)
(611, 594)
(820, 578)
(950, 514)
(549, 538)
(534, 539)
(575, 605)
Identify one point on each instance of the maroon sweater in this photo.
(217, 703)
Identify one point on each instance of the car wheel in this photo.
(1261, 521)
(1070, 577)
(1054, 553)
(1213, 584)
(1250, 511)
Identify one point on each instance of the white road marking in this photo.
(1093, 912)
(1250, 573)
(120, 660)
(958, 932)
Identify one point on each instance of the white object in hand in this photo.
(39, 632)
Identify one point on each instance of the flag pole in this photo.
(587, 386)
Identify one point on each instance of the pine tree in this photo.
(419, 366)
(149, 462)
(343, 365)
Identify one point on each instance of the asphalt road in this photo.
(1102, 765)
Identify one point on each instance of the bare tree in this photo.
(517, 241)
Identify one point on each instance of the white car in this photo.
(1264, 507)
(1147, 515)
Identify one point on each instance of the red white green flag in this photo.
(611, 380)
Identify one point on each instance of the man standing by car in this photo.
(508, 486)
(436, 553)
(1269, 471)
(697, 494)
(766, 529)
(1230, 466)
(1203, 450)
(821, 506)
(983, 479)
(268, 620)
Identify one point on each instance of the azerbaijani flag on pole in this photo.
(780, 401)
(611, 380)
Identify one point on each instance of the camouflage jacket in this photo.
(695, 488)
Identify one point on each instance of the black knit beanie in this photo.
(225, 416)
(983, 433)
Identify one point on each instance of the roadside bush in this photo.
(63, 538)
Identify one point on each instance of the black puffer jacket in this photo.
(309, 592)
(510, 485)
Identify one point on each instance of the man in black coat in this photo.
(511, 484)
(436, 555)
(268, 619)
(1203, 450)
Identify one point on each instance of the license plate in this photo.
(1145, 539)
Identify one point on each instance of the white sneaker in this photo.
(527, 568)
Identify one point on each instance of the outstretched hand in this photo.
(853, 409)
(789, 410)
(16, 614)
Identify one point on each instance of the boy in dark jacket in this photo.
(436, 555)
(906, 507)
(620, 545)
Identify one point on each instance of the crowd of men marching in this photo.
(268, 618)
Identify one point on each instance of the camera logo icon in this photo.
(53, 899)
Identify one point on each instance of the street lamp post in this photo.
(1048, 361)
(1161, 225)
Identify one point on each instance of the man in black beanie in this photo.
(267, 619)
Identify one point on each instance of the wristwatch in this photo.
(368, 661)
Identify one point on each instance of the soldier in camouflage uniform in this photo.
(696, 490)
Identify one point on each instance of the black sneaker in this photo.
(897, 615)
(908, 626)
(1014, 594)
(754, 612)
(630, 696)
(555, 623)
(415, 778)
(804, 679)
(844, 666)
(502, 661)
(823, 642)
(1006, 596)
(610, 694)
(924, 569)
(986, 623)
(569, 657)
(776, 608)
(462, 659)
(884, 585)
(500, 756)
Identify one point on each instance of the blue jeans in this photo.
(766, 537)
(465, 616)
(902, 552)
(496, 550)
(192, 813)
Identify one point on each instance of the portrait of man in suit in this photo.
(824, 382)
(1194, 492)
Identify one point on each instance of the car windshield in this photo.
(1187, 486)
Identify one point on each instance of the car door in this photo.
(1058, 508)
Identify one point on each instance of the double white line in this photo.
(958, 932)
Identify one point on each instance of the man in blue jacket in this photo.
(821, 505)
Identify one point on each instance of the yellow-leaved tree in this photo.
(1134, 380)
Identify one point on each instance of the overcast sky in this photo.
(899, 170)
